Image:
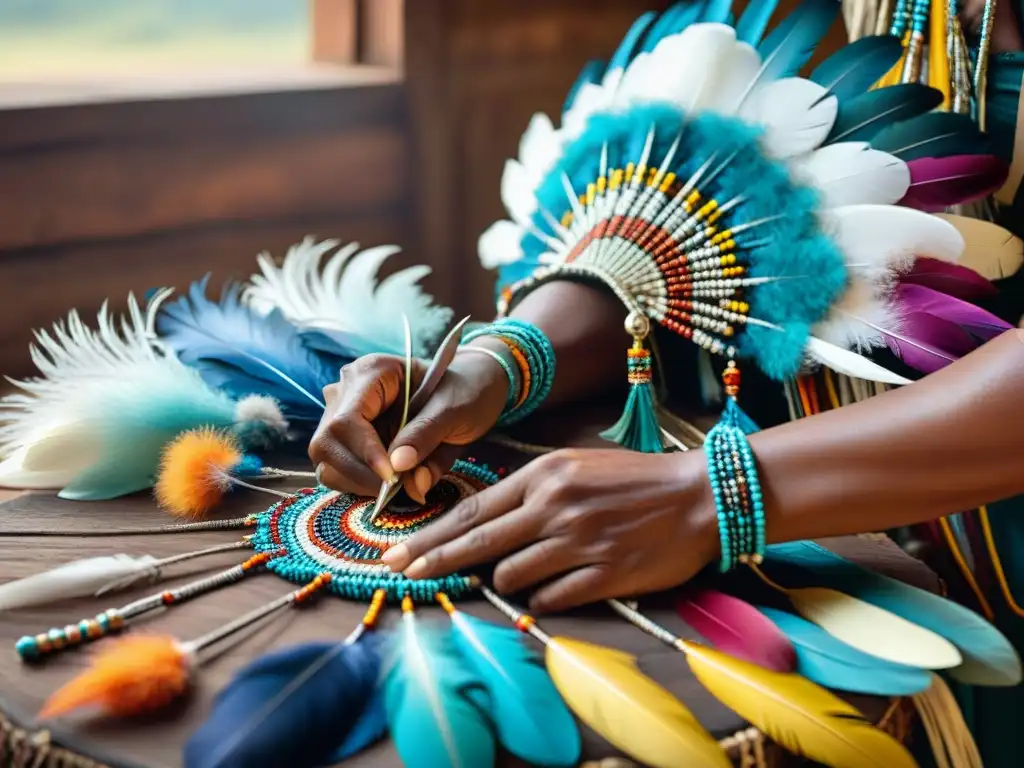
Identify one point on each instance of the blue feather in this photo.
(672, 21)
(629, 47)
(717, 12)
(854, 68)
(865, 116)
(754, 21)
(251, 723)
(592, 73)
(241, 353)
(791, 44)
(823, 659)
(938, 134)
(433, 703)
(521, 695)
(989, 658)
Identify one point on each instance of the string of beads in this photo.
(735, 487)
(533, 358)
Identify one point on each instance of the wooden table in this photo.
(155, 741)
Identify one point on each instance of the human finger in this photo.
(536, 563)
(580, 587)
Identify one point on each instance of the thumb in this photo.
(422, 435)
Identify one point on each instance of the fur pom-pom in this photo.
(259, 422)
(132, 675)
(195, 472)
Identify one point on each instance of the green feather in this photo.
(853, 69)
(939, 134)
(863, 117)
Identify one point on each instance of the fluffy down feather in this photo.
(107, 401)
(345, 300)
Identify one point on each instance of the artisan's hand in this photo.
(363, 414)
(589, 524)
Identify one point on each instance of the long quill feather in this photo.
(992, 251)
(854, 68)
(940, 183)
(989, 658)
(77, 579)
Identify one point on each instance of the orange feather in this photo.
(194, 471)
(132, 675)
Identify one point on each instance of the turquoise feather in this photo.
(673, 21)
(754, 21)
(989, 658)
(854, 68)
(863, 117)
(522, 698)
(631, 43)
(638, 428)
(790, 45)
(433, 703)
(938, 134)
(592, 73)
(823, 659)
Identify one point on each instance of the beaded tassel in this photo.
(638, 428)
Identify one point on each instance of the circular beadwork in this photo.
(320, 530)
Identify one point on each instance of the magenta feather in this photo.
(951, 279)
(918, 298)
(927, 343)
(936, 183)
(737, 628)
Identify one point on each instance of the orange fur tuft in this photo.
(132, 675)
(193, 470)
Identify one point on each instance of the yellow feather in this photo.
(794, 712)
(990, 250)
(874, 630)
(608, 692)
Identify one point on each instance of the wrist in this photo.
(488, 377)
(700, 515)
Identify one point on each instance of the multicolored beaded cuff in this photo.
(535, 360)
(735, 486)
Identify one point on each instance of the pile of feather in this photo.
(108, 400)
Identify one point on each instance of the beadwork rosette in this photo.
(319, 530)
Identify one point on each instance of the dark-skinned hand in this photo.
(581, 525)
(357, 444)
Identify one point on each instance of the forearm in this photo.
(948, 443)
(585, 327)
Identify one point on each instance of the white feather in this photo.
(105, 402)
(517, 192)
(539, 147)
(855, 320)
(850, 363)
(499, 244)
(737, 72)
(880, 240)
(346, 297)
(683, 69)
(589, 99)
(852, 174)
(797, 116)
(82, 578)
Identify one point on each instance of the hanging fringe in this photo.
(950, 738)
(638, 429)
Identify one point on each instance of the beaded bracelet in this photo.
(535, 359)
(515, 380)
(736, 488)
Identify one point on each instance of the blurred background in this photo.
(147, 142)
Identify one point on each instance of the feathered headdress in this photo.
(95, 422)
(760, 214)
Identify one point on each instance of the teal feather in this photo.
(790, 45)
(433, 703)
(592, 73)
(521, 696)
(754, 21)
(854, 68)
(632, 42)
(829, 662)
(717, 12)
(989, 658)
(638, 428)
(672, 21)
(938, 134)
(863, 117)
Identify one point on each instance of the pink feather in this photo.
(951, 279)
(927, 343)
(936, 183)
(737, 628)
(918, 298)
